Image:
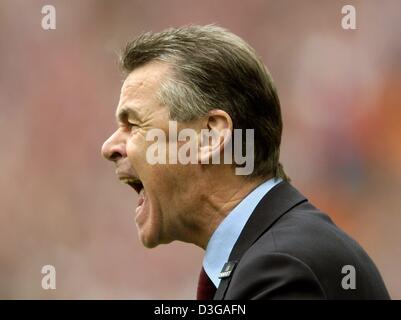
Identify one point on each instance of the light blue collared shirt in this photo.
(226, 234)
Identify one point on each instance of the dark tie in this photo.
(206, 288)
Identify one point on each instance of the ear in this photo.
(214, 136)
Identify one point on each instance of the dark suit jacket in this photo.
(290, 250)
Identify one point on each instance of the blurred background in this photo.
(60, 202)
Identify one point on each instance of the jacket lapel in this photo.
(278, 201)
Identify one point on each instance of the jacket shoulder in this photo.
(302, 255)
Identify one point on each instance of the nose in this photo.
(113, 148)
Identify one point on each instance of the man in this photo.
(263, 239)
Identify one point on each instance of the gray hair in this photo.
(212, 68)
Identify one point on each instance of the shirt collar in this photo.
(226, 234)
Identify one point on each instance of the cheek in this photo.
(136, 149)
(155, 176)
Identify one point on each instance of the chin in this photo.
(149, 244)
(151, 240)
(148, 240)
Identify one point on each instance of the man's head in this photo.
(203, 77)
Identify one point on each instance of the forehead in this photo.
(142, 84)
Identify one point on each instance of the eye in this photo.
(132, 126)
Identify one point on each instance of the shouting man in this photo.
(186, 94)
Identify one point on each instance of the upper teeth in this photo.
(131, 180)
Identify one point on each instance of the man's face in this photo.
(162, 188)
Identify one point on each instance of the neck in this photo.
(216, 202)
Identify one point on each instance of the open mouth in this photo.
(133, 182)
(141, 209)
(136, 185)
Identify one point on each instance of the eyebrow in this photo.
(123, 114)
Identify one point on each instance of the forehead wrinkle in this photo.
(129, 92)
(145, 81)
(140, 88)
